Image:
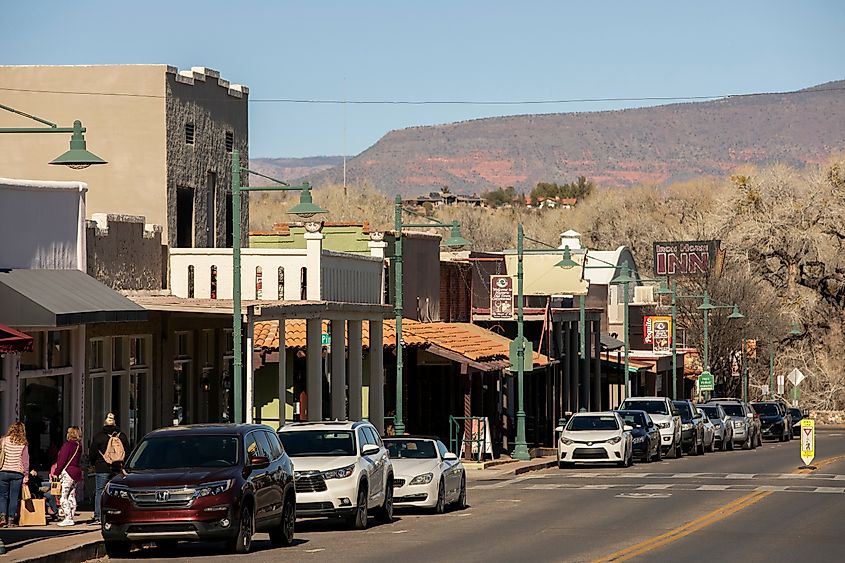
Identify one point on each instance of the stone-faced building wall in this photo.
(126, 254)
(206, 119)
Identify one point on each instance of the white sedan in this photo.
(592, 437)
(426, 474)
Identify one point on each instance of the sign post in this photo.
(808, 440)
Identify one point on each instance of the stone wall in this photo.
(823, 418)
(124, 253)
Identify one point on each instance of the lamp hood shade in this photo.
(306, 207)
(735, 314)
(567, 261)
(78, 156)
(455, 239)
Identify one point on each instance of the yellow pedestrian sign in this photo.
(808, 440)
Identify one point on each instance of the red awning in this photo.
(12, 340)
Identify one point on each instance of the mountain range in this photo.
(653, 145)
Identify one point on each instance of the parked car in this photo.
(342, 470)
(774, 420)
(591, 437)
(797, 416)
(426, 474)
(742, 417)
(692, 427)
(202, 482)
(645, 435)
(664, 415)
(723, 433)
(709, 431)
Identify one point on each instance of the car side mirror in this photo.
(369, 449)
(627, 428)
(449, 456)
(259, 462)
(559, 429)
(749, 414)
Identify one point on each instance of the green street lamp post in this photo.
(665, 289)
(455, 240)
(625, 279)
(736, 315)
(77, 157)
(305, 209)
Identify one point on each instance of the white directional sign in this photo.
(795, 376)
(781, 385)
(808, 440)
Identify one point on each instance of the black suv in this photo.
(692, 427)
(202, 482)
(775, 420)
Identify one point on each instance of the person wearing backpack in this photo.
(108, 451)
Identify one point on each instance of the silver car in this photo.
(724, 433)
(742, 421)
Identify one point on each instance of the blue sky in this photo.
(438, 50)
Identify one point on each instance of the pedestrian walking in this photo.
(108, 450)
(70, 474)
(14, 472)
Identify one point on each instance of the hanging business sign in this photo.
(685, 258)
(501, 297)
(657, 331)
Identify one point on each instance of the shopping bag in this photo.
(55, 488)
(32, 513)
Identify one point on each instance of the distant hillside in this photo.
(290, 168)
(647, 145)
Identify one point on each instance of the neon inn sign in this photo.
(685, 258)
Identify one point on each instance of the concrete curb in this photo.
(90, 547)
(535, 467)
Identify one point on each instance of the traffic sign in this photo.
(705, 381)
(808, 440)
(795, 376)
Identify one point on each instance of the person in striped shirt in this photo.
(14, 472)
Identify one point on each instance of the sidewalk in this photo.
(53, 544)
(502, 468)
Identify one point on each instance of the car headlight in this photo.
(423, 479)
(663, 425)
(614, 440)
(737, 424)
(686, 426)
(211, 489)
(566, 441)
(118, 491)
(341, 473)
(639, 439)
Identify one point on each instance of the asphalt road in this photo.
(726, 506)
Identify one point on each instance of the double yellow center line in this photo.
(702, 522)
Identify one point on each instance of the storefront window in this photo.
(95, 355)
(41, 404)
(137, 351)
(59, 351)
(117, 354)
(34, 359)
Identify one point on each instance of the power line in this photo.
(314, 101)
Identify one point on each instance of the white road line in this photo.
(655, 487)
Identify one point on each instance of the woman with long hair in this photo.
(13, 472)
(67, 464)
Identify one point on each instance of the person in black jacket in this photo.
(104, 471)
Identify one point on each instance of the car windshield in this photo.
(301, 443)
(183, 451)
(796, 413)
(766, 409)
(733, 409)
(684, 408)
(582, 423)
(411, 449)
(711, 412)
(635, 419)
(651, 407)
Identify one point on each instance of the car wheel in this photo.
(711, 447)
(282, 535)
(759, 441)
(658, 456)
(358, 520)
(246, 527)
(117, 549)
(678, 451)
(384, 514)
(730, 443)
(440, 507)
(461, 503)
(746, 445)
(564, 464)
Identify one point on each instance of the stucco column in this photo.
(338, 378)
(356, 362)
(313, 260)
(377, 250)
(377, 374)
(314, 368)
(249, 398)
(283, 375)
(568, 404)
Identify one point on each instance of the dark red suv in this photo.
(202, 482)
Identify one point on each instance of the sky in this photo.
(438, 51)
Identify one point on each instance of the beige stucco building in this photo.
(167, 136)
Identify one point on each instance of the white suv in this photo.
(665, 416)
(341, 469)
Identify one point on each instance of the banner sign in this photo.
(657, 331)
(501, 297)
(685, 258)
